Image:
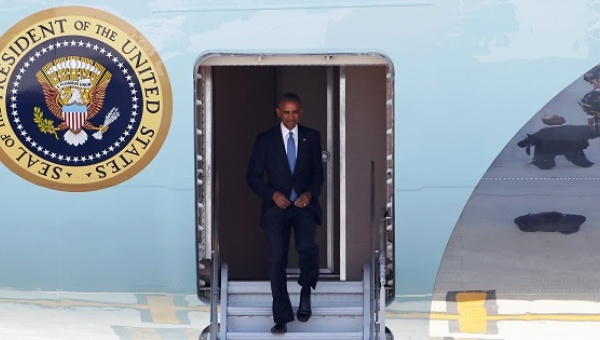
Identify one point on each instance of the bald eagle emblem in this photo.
(74, 91)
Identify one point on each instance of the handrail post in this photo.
(216, 265)
(381, 306)
(373, 252)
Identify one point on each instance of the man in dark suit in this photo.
(290, 156)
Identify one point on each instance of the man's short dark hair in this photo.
(289, 97)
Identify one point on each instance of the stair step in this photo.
(317, 300)
(321, 311)
(328, 294)
(337, 311)
(297, 336)
(317, 323)
(264, 287)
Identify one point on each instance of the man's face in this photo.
(289, 113)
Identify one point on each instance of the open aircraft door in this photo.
(349, 99)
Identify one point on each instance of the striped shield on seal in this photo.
(75, 116)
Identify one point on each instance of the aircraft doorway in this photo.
(347, 99)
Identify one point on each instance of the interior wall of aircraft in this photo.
(244, 100)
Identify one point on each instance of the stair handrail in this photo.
(378, 265)
(374, 252)
(381, 302)
(216, 265)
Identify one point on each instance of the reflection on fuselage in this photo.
(540, 278)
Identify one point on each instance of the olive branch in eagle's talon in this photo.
(45, 125)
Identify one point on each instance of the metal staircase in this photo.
(350, 310)
(340, 310)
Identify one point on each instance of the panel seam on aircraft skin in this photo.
(430, 187)
(541, 178)
(400, 3)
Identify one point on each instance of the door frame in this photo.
(206, 232)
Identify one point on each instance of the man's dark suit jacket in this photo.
(269, 157)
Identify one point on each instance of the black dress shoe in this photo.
(279, 328)
(304, 310)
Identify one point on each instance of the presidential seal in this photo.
(85, 101)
